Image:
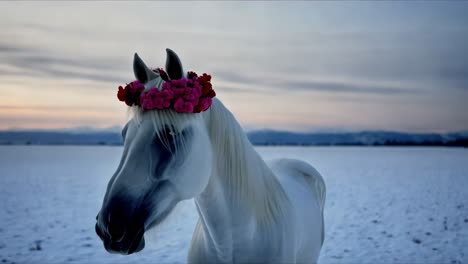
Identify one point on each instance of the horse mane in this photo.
(251, 181)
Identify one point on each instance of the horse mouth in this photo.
(138, 243)
(135, 246)
(125, 247)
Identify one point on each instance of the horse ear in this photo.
(142, 73)
(173, 65)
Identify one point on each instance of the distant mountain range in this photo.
(365, 138)
(111, 136)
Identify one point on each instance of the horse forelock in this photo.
(167, 120)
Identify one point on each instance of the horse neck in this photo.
(242, 190)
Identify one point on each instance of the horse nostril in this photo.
(116, 231)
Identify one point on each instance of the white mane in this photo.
(256, 220)
(252, 182)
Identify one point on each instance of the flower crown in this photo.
(186, 95)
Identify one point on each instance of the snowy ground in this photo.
(384, 205)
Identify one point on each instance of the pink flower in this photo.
(155, 99)
(135, 87)
(183, 107)
(184, 91)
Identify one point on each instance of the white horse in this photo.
(250, 211)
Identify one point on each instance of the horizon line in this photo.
(117, 128)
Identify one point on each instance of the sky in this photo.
(298, 66)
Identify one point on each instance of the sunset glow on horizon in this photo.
(400, 66)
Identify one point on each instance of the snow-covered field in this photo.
(384, 205)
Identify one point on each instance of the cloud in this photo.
(242, 83)
(53, 108)
(337, 87)
(7, 48)
(29, 60)
(232, 76)
(455, 77)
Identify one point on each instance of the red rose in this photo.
(191, 74)
(211, 93)
(204, 78)
(131, 93)
(163, 74)
(203, 105)
(122, 94)
(132, 99)
(207, 87)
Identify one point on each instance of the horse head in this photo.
(167, 158)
